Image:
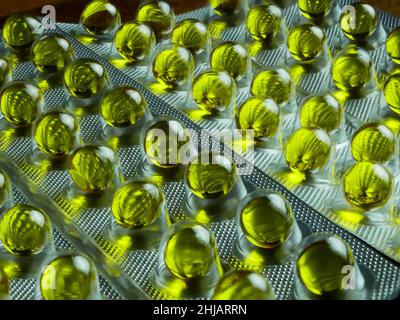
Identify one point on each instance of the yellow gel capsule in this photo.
(5, 188)
(359, 23)
(25, 230)
(242, 285)
(320, 266)
(122, 106)
(134, 41)
(92, 168)
(367, 185)
(4, 71)
(224, 7)
(213, 90)
(137, 204)
(393, 45)
(306, 42)
(391, 91)
(211, 176)
(314, 9)
(307, 149)
(351, 70)
(163, 142)
(4, 286)
(100, 17)
(275, 84)
(84, 78)
(266, 220)
(322, 112)
(172, 67)
(19, 32)
(190, 252)
(51, 53)
(68, 277)
(192, 35)
(230, 57)
(21, 103)
(260, 115)
(159, 16)
(56, 133)
(373, 142)
(263, 22)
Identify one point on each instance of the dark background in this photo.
(70, 10)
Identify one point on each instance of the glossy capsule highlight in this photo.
(159, 16)
(100, 17)
(232, 58)
(307, 149)
(68, 277)
(243, 285)
(92, 168)
(21, 103)
(134, 41)
(306, 42)
(273, 83)
(359, 23)
(263, 22)
(25, 230)
(373, 142)
(367, 185)
(85, 78)
(214, 90)
(137, 204)
(122, 107)
(260, 115)
(191, 34)
(56, 133)
(5, 189)
(322, 112)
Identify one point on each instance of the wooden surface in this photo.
(70, 10)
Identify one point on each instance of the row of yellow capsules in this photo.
(92, 181)
(36, 260)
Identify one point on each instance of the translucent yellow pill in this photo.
(68, 277)
(307, 149)
(84, 78)
(314, 9)
(367, 185)
(214, 90)
(134, 41)
(260, 115)
(266, 220)
(25, 230)
(393, 45)
(358, 23)
(224, 7)
(19, 32)
(351, 70)
(159, 16)
(263, 22)
(92, 168)
(173, 67)
(306, 42)
(320, 266)
(273, 83)
(100, 17)
(56, 133)
(322, 112)
(163, 143)
(391, 91)
(230, 57)
(137, 204)
(190, 252)
(20, 103)
(243, 285)
(192, 35)
(122, 106)
(211, 176)
(4, 285)
(373, 142)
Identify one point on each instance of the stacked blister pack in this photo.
(239, 151)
